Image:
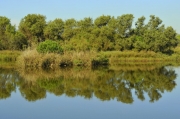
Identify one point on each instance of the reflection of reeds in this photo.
(135, 67)
(32, 74)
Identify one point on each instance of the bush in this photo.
(49, 46)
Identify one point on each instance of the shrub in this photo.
(49, 46)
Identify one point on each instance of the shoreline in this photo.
(33, 59)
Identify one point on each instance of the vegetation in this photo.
(88, 42)
(49, 46)
(105, 33)
(90, 59)
(106, 84)
(137, 51)
(9, 56)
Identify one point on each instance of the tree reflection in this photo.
(105, 84)
(31, 91)
(8, 80)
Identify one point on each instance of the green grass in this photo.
(9, 56)
(143, 57)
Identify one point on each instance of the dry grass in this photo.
(33, 59)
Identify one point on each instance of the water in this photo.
(127, 93)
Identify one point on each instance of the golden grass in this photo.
(33, 59)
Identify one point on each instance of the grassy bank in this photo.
(143, 57)
(8, 58)
(33, 59)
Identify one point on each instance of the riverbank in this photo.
(9, 55)
(8, 58)
(33, 59)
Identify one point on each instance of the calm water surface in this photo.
(127, 93)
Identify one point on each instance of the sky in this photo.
(167, 10)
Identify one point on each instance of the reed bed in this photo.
(33, 59)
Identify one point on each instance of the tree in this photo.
(124, 24)
(102, 20)
(7, 32)
(4, 22)
(154, 22)
(85, 25)
(170, 40)
(32, 26)
(70, 28)
(19, 42)
(54, 29)
(140, 26)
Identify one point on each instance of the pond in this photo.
(127, 92)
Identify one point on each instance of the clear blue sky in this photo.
(167, 10)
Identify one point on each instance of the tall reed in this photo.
(33, 59)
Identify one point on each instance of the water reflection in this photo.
(8, 81)
(105, 84)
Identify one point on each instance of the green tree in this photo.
(4, 23)
(140, 26)
(70, 28)
(54, 29)
(85, 25)
(153, 36)
(32, 26)
(102, 20)
(154, 22)
(19, 42)
(7, 32)
(124, 24)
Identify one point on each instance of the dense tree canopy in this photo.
(7, 32)
(105, 33)
(54, 29)
(32, 26)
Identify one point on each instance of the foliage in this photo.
(32, 26)
(7, 32)
(54, 29)
(106, 84)
(19, 42)
(49, 46)
(105, 33)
